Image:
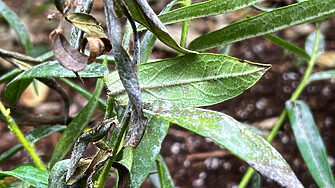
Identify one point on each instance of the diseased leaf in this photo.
(124, 175)
(76, 127)
(324, 75)
(66, 55)
(149, 38)
(309, 142)
(207, 8)
(87, 23)
(195, 79)
(14, 21)
(29, 174)
(310, 42)
(128, 75)
(95, 134)
(148, 149)
(142, 12)
(15, 88)
(122, 60)
(58, 174)
(226, 131)
(163, 172)
(267, 22)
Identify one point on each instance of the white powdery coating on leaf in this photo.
(285, 178)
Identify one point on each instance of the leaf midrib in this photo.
(189, 81)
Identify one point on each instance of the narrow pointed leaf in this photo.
(324, 75)
(14, 21)
(101, 103)
(15, 88)
(147, 151)
(207, 8)
(10, 152)
(194, 79)
(76, 127)
(231, 134)
(310, 42)
(309, 142)
(142, 12)
(29, 174)
(267, 22)
(87, 23)
(164, 174)
(10, 75)
(288, 46)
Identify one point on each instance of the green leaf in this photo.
(163, 172)
(147, 151)
(101, 103)
(15, 88)
(324, 75)
(309, 142)
(13, 92)
(87, 23)
(288, 46)
(142, 13)
(309, 44)
(29, 174)
(194, 79)
(32, 136)
(76, 127)
(127, 157)
(10, 75)
(10, 152)
(14, 21)
(40, 132)
(207, 8)
(267, 22)
(226, 131)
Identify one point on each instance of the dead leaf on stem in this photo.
(97, 47)
(65, 54)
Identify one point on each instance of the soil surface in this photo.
(195, 161)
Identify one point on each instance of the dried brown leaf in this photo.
(97, 47)
(65, 54)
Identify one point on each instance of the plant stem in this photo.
(184, 31)
(105, 171)
(16, 131)
(294, 96)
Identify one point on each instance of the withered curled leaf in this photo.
(97, 47)
(87, 23)
(65, 54)
(80, 170)
(64, 6)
